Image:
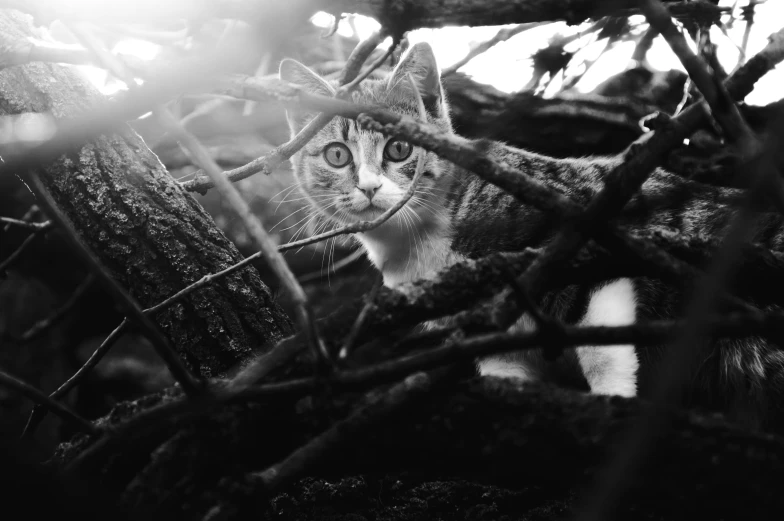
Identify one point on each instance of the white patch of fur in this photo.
(399, 264)
(611, 369)
(502, 368)
(508, 365)
(368, 179)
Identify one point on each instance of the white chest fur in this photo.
(414, 256)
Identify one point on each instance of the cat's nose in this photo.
(369, 182)
(369, 191)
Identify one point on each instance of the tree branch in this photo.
(38, 397)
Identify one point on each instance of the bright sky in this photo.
(507, 68)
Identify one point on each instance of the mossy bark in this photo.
(152, 235)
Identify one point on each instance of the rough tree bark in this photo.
(153, 237)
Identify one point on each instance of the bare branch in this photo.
(748, 17)
(29, 214)
(643, 334)
(38, 397)
(30, 51)
(38, 414)
(373, 66)
(24, 224)
(714, 92)
(44, 324)
(41, 230)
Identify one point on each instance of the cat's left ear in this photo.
(421, 63)
(293, 71)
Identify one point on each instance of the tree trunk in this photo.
(153, 237)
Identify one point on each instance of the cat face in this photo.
(351, 174)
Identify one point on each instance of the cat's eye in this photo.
(397, 150)
(337, 155)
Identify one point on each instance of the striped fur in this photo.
(456, 215)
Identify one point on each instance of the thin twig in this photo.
(29, 214)
(31, 51)
(748, 16)
(24, 224)
(373, 66)
(22, 247)
(38, 397)
(44, 324)
(38, 414)
(265, 164)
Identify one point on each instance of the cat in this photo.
(350, 174)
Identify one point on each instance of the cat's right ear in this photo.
(293, 71)
(420, 63)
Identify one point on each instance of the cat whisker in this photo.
(316, 197)
(311, 213)
(290, 215)
(310, 217)
(418, 236)
(288, 191)
(425, 204)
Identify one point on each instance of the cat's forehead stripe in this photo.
(343, 125)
